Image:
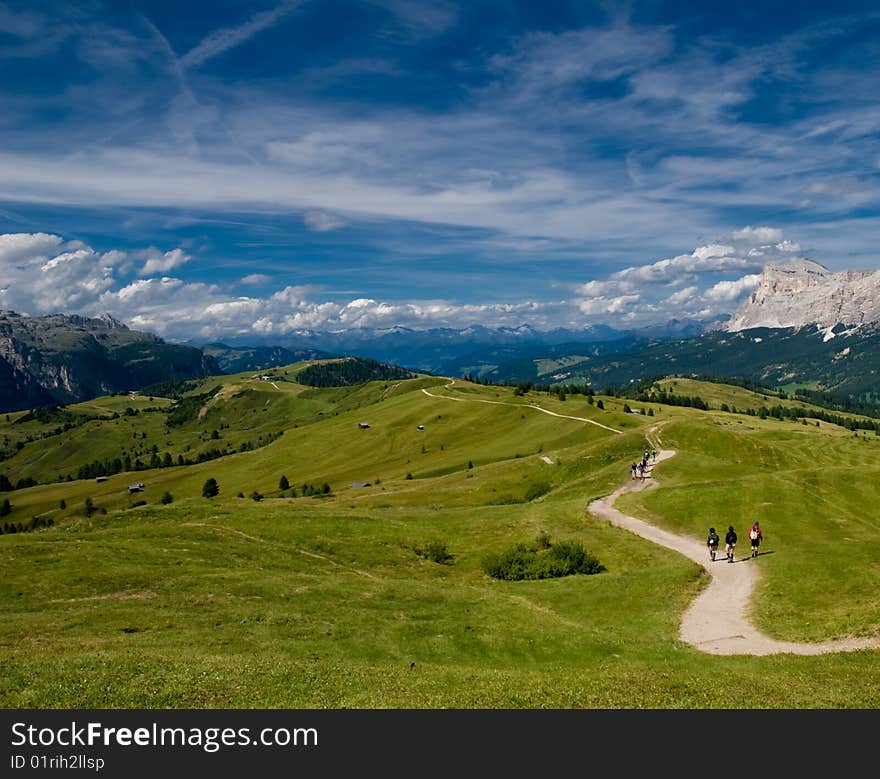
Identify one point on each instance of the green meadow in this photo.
(263, 597)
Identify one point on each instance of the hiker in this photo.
(639, 470)
(730, 543)
(654, 454)
(712, 542)
(632, 471)
(755, 536)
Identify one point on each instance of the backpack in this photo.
(753, 534)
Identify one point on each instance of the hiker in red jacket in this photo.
(755, 536)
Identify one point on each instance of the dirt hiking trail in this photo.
(717, 622)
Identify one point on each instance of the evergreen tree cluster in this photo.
(349, 372)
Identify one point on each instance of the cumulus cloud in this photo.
(42, 273)
(698, 284)
(727, 291)
(751, 234)
(162, 263)
(603, 305)
(22, 246)
(682, 296)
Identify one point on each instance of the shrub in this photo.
(600, 404)
(89, 507)
(138, 503)
(408, 476)
(542, 560)
(166, 498)
(283, 483)
(537, 489)
(210, 489)
(5, 508)
(62, 504)
(256, 496)
(436, 551)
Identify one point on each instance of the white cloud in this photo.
(162, 263)
(227, 38)
(43, 274)
(608, 306)
(727, 291)
(682, 296)
(254, 278)
(323, 222)
(20, 246)
(757, 235)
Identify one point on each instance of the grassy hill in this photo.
(324, 601)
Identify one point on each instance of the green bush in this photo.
(435, 551)
(541, 560)
(167, 498)
(537, 489)
(210, 489)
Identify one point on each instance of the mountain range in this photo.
(62, 359)
(802, 326)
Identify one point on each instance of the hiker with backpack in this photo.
(755, 536)
(712, 542)
(730, 543)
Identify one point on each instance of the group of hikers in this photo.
(756, 535)
(640, 470)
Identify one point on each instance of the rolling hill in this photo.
(272, 594)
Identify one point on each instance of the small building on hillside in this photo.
(137, 487)
(363, 425)
(356, 485)
(421, 427)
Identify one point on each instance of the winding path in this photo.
(518, 405)
(717, 622)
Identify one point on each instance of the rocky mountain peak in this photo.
(803, 292)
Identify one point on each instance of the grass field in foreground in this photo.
(305, 602)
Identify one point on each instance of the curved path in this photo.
(717, 621)
(518, 405)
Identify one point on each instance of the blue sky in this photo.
(210, 170)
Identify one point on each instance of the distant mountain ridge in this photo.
(435, 349)
(841, 361)
(62, 358)
(237, 359)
